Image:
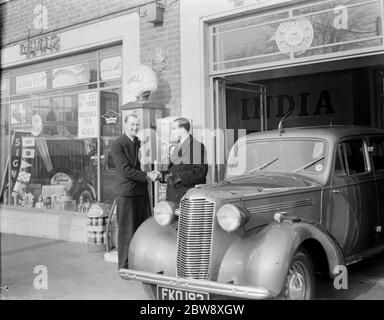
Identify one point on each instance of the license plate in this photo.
(164, 293)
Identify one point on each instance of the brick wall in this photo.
(166, 35)
(17, 15)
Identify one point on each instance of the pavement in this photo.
(76, 274)
(73, 272)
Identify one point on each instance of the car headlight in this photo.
(164, 212)
(231, 217)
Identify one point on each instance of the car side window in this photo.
(350, 159)
(377, 144)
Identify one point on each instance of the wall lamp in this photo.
(153, 12)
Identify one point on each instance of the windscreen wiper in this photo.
(308, 165)
(264, 165)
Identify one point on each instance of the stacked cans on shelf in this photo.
(96, 227)
(96, 235)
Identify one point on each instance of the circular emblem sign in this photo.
(296, 35)
(61, 178)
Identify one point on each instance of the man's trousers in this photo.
(132, 211)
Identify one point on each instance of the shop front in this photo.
(60, 110)
(54, 132)
(322, 61)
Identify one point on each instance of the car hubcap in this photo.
(295, 285)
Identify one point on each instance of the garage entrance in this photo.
(340, 92)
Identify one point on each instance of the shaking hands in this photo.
(154, 175)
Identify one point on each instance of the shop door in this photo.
(239, 109)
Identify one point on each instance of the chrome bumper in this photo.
(196, 285)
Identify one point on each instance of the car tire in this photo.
(299, 283)
(150, 291)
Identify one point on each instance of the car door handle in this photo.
(337, 191)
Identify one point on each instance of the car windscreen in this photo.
(283, 155)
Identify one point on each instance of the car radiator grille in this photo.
(194, 238)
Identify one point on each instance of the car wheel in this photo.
(150, 291)
(300, 281)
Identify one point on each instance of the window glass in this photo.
(52, 76)
(54, 146)
(303, 156)
(377, 153)
(350, 158)
(110, 65)
(306, 30)
(71, 75)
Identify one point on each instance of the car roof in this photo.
(320, 132)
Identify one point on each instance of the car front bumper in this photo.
(212, 287)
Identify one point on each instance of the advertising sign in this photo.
(61, 178)
(21, 117)
(110, 68)
(39, 46)
(16, 152)
(322, 95)
(52, 191)
(18, 114)
(18, 164)
(142, 80)
(31, 82)
(296, 35)
(88, 115)
(70, 75)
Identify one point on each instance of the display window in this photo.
(57, 122)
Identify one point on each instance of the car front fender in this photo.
(153, 248)
(263, 258)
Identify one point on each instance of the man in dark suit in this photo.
(130, 186)
(188, 166)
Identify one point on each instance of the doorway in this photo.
(227, 94)
(339, 92)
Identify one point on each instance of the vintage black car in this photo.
(294, 202)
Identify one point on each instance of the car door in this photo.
(352, 210)
(376, 144)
